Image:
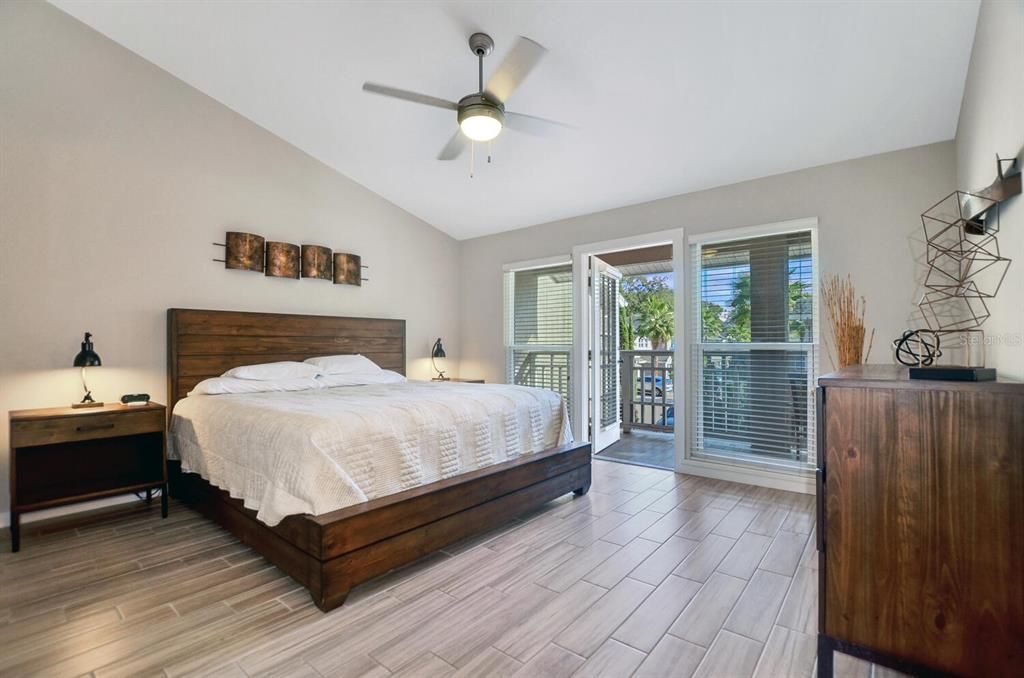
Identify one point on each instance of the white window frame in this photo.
(760, 472)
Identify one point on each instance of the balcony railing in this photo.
(647, 390)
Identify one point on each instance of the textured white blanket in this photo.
(320, 450)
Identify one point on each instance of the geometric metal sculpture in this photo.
(965, 266)
(316, 262)
(282, 260)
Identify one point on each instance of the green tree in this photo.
(737, 324)
(712, 326)
(656, 321)
(626, 335)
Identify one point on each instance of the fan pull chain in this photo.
(472, 157)
(488, 152)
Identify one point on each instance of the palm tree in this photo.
(656, 321)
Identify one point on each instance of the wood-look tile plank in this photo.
(701, 620)
(394, 653)
(667, 525)
(800, 609)
(589, 630)
(571, 571)
(787, 654)
(699, 565)
(591, 532)
(614, 569)
(649, 622)
(701, 524)
(745, 555)
(755, 611)
(424, 666)
(671, 657)
(730, 655)
(665, 558)
(783, 555)
(735, 522)
(465, 641)
(551, 662)
(491, 663)
(611, 660)
(629, 530)
(331, 657)
(527, 638)
(768, 521)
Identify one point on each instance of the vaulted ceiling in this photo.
(666, 97)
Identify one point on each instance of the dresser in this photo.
(921, 522)
(63, 455)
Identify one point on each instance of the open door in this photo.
(604, 356)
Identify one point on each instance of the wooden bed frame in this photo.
(331, 553)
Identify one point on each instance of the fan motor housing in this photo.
(481, 104)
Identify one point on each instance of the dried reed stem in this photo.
(846, 318)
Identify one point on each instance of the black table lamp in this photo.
(437, 353)
(87, 357)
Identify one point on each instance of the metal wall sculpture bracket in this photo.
(250, 252)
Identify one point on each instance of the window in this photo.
(755, 349)
(538, 328)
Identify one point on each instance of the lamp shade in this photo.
(438, 351)
(87, 357)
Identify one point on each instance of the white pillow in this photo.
(283, 370)
(344, 364)
(226, 385)
(354, 379)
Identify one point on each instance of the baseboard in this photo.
(34, 516)
(776, 480)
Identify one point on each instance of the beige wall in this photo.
(991, 122)
(115, 178)
(868, 224)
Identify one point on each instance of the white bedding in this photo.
(319, 450)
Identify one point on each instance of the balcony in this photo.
(647, 410)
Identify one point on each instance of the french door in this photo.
(604, 354)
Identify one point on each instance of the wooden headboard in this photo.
(204, 344)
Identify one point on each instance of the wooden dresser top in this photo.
(56, 412)
(898, 377)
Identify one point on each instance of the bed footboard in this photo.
(331, 553)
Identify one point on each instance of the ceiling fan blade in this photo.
(406, 95)
(531, 124)
(518, 63)
(455, 146)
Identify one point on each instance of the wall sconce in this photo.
(282, 260)
(242, 251)
(316, 262)
(348, 269)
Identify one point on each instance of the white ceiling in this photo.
(669, 97)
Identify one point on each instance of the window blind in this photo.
(754, 355)
(538, 328)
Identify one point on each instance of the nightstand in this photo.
(62, 456)
(461, 381)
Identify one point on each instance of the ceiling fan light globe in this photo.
(480, 127)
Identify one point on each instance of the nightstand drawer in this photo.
(84, 427)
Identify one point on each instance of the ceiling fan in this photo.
(482, 115)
